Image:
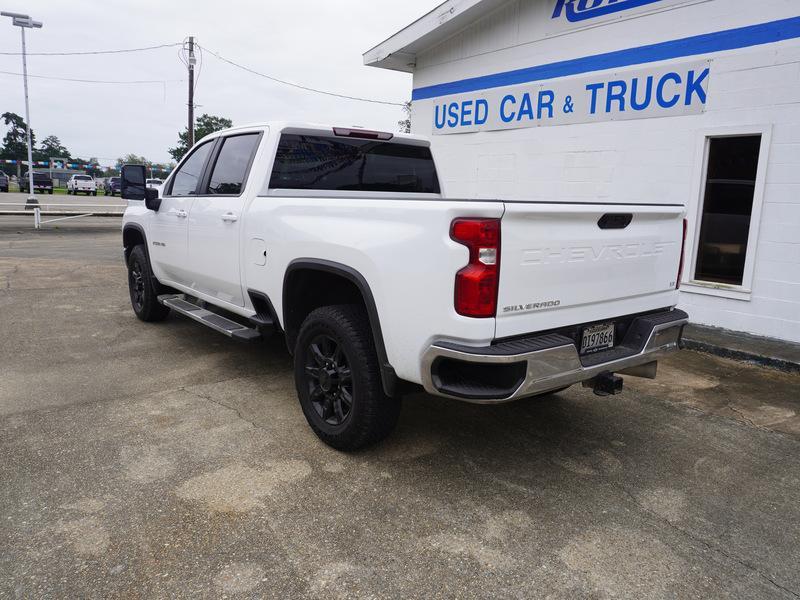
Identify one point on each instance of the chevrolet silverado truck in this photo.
(342, 240)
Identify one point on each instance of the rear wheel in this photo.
(338, 379)
(143, 287)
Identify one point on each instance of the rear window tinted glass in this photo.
(83, 178)
(306, 162)
(231, 165)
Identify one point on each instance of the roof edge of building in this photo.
(399, 52)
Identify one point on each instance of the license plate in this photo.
(597, 337)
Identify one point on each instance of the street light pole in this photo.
(31, 198)
(25, 22)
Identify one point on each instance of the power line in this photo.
(92, 52)
(159, 81)
(182, 45)
(297, 85)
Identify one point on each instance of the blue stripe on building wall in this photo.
(732, 39)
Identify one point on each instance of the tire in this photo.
(143, 288)
(94, 193)
(333, 341)
(50, 192)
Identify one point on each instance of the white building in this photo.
(693, 102)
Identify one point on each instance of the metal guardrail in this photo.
(60, 210)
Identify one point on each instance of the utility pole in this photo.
(25, 22)
(192, 62)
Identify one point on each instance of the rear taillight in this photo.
(683, 250)
(477, 283)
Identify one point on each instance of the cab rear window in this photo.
(307, 162)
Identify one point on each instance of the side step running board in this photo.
(232, 329)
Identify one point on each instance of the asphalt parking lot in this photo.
(166, 460)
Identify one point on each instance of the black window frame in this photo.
(212, 163)
(200, 179)
(700, 274)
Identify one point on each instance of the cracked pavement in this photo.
(155, 460)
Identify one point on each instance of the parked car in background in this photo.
(3, 182)
(155, 183)
(81, 183)
(112, 186)
(41, 183)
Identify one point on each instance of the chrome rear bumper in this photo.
(541, 363)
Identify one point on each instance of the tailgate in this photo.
(565, 264)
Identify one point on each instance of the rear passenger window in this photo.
(188, 176)
(306, 162)
(230, 168)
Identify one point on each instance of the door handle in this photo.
(181, 214)
(229, 217)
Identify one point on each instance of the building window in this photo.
(727, 209)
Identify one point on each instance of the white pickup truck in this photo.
(81, 183)
(342, 240)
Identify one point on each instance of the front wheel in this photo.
(143, 287)
(338, 379)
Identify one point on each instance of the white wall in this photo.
(648, 160)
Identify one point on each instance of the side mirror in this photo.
(133, 186)
(151, 199)
(132, 182)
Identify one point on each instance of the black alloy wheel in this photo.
(136, 284)
(338, 378)
(143, 287)
(330, 381)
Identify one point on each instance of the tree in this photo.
(132, 159)
(92, 168)
(15, 144)
(405, 124)
(203, 125)
(51, 147)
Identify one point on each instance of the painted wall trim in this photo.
(719, 41)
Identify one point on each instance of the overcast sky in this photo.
(317, 43)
